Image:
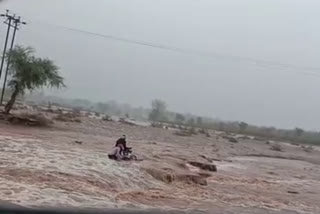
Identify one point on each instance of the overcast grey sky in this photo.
(100, 69)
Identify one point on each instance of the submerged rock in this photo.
(170, 176)
(204, 166)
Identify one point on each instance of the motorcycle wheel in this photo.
(133, 157)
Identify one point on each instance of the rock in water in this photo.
(204, 166)
(230, 138)
(78, 142)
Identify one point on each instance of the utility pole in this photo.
(17, 22)
(8, 22)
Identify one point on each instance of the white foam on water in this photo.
(27, 156)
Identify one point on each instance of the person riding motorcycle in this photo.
(121, 151)
(122, 141)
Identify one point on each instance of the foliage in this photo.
(191, 121)
(243, 126)
(179, 118)
(158, 111)
(267, 133)
(298, 132)
(102, 107)
(27, 72)
(199, 121)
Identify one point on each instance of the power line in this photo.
(259, 62)
(305, 70)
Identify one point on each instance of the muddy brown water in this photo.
(45, 168)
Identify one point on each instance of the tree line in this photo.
(159, 113)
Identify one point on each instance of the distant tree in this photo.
(83, 104)
(49, 105)
(158, 111)
(199, 121)
(27, 72)
(268, 131)
(298, 132)
(221, 126)
(243, 126)
(179, 118)
(102, 107)
(117, 112)
(191, 121)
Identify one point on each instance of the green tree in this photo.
(191, 121)
(158, 111)
(83, 104)
(179, 118)
(222, 126)
(27, 72)
(199, 121)
(298, 132)
(243, 126)
(102, 107)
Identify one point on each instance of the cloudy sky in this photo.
(218, 71)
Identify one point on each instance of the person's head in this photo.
(124, 137)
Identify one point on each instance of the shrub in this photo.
(276, 147)
(30, 119)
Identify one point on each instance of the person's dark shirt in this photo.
(122, 141)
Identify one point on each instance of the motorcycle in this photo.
(127, 154)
